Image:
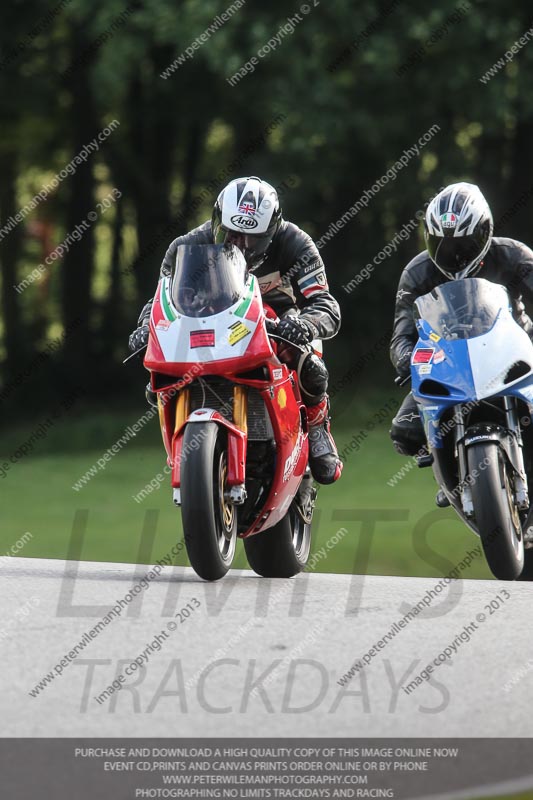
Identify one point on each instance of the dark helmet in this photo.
(247, 214)
(458, 230)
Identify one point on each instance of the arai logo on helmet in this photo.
(449, 220)
(242, 221)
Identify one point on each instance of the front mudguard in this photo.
(237, 443)
(477, 434)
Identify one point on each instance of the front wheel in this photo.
(281, 551)
(497, 518)
(209, 520)
(527, 572)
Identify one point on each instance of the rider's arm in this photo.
(144, 316)
(404, 335)
(310, 284)
(199, 235)
(169, 259)
(514, 268)
(523, 272)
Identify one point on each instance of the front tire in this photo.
(527, 571)
(281, 551)
(497, 517)
(209, 521)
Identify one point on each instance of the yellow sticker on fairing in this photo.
(237, 332)
(434, 337)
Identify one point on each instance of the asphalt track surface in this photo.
(294, 639)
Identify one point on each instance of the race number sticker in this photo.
(202, 338)
(423, 355)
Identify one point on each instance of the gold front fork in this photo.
(183, 408)
(161, 409)
(240, 407)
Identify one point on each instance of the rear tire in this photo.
(281, 551)
(209, 521)
(497, 518)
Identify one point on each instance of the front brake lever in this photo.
(136, 353)
(271, 325)
(301, 348)
(399, 381)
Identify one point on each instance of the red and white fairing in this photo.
(234, 339)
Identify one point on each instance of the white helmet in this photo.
(458, 230)
(247, 213)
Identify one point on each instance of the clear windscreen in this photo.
(462, 309)
(207, 279)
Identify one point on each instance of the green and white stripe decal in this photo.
(241, 310)
(165, 301)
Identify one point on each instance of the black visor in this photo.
(454, 254)
(253, 247)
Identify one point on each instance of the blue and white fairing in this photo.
(469, 348)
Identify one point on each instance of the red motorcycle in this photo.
(232, 419)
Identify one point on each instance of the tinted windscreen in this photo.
(207, 279)
(462, 309)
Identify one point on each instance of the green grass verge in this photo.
(417, 539)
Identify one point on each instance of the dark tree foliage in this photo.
(346, 89)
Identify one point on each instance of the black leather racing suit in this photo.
(292, 279)
(508, 262)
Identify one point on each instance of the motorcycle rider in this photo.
(292, 279)
(458, 230)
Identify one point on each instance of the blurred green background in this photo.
(323, 117)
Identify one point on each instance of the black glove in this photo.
(139, 338)
(297, 330)
(403, 365)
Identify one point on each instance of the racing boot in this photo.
(324, 460)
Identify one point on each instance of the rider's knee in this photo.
(407, 439)
(313, 377)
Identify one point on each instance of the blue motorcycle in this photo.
(472, 377)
